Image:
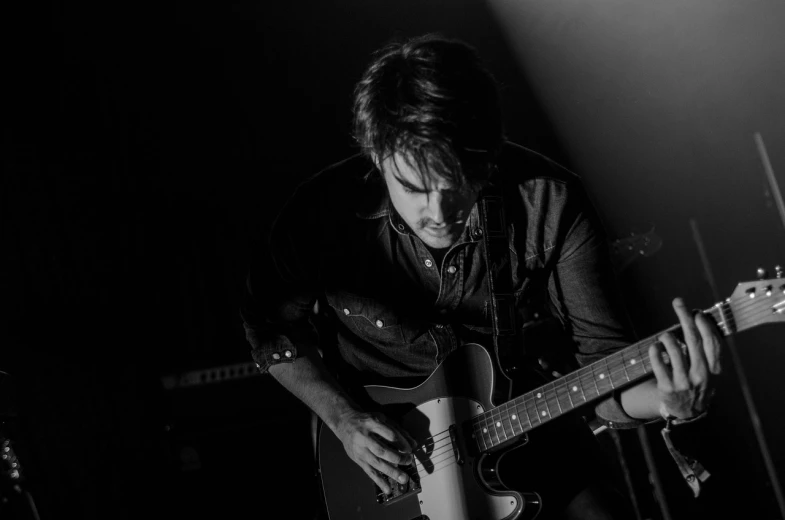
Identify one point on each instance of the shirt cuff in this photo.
(279, 350)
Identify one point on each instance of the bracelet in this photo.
(672, 420)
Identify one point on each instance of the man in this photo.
(385, 253)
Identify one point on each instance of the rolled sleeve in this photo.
(585, 295)
(278, 302)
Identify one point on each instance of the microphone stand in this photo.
(743, 383)
(769, 171)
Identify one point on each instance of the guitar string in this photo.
(559, 389)
(451, 452)
(529, 398)
(611, 372)
(615, 368)
(584, 374)
(427, 474)
(445, 455)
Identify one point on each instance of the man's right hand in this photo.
(377, 445)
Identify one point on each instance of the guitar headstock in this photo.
(760, 301)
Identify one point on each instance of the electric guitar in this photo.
(462, 435)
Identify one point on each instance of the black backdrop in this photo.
(144, 147)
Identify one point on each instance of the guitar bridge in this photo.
(399, 490)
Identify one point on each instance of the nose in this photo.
(436, 209)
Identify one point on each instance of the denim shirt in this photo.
(342, 271)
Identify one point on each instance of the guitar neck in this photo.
(588, 384)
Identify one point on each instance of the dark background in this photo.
(146, 145)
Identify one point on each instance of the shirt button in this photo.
(288, 353)
(346, 311)
(439, 326)
(477, 233)
(276, 356)
(400, 227)
(428, 263)
(451, 269)
(379, 323)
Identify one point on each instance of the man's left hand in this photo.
(686, 382)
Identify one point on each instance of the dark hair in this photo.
(432, 99)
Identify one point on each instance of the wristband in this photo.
(672, 420)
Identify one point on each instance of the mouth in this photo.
(439, 231)
(443, 225)
(443, 229)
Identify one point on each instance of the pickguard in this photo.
(451, 491)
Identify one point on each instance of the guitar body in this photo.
(462, 434)
(456, 480)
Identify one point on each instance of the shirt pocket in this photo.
(368, 318)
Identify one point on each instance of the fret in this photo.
(610, 375)
(611, 372)
(515, 419)
(594, 379)
(486, 431)
(730, 320)
(596, 371)
(551, 401)
(497, 423)
(554, 394)
(495, 432)
(719, 318)
(563, 395)
(547, 408)
(624, 365)
(506, 416)
(580, 384)
(536, 409)
(569, 391)
(478, 434)
(574, 385)
(635, 365)
(647, 362)
(525, 413)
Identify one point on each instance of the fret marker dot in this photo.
(633, 361)
(485, 430)
(514, 416)
(544, 413)
(574, 388)
(539, 395)
(498, 425)
(602, 376)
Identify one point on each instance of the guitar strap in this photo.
(497, 258)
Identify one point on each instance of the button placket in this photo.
(451, 287)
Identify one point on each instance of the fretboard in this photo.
(588, 384)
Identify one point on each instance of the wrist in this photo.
(672, 420)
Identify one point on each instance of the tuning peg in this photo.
(778, 271)
(762, 273)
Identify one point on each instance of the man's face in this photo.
(436, 212)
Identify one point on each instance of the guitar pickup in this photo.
(399, 490)
(456, 445)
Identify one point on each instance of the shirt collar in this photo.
(375, 200)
